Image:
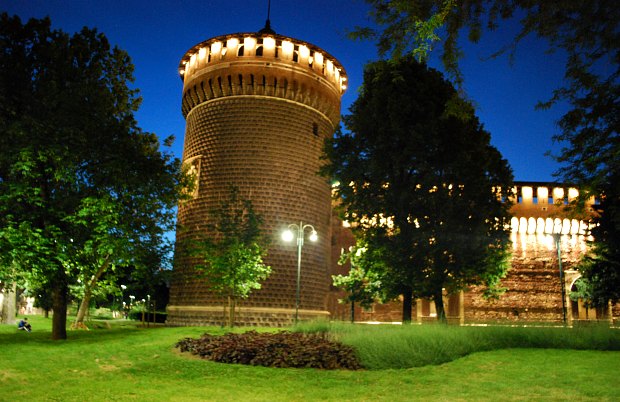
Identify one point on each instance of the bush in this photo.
(281, 349)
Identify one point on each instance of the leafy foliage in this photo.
(231, 253)
(421, 183)
(84, 191)
(588, 32)
(281, 349)
(601, 266)
(362, 283)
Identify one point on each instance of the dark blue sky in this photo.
(156, 34)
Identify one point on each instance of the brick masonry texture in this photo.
(259, 127)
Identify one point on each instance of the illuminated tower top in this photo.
(304, 71)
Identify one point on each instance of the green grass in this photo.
(395, 346)
(128, 363)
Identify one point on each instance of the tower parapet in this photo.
(262, 64)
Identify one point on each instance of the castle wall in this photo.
(533, 285)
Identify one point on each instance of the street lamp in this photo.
(556, 233)
(123, 287)
(288, 235)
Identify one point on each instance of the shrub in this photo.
(281, 349)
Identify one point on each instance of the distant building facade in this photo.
(534, 290)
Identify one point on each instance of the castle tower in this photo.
(258, 107)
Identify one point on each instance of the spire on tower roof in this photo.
(267, 29)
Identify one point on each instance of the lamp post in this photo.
(123, 287)
(297, 231)
(557, 238)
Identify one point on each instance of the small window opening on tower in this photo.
(240, 51)
(315, 129)
(259, 50)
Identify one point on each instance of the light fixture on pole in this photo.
(554, 229)
(123, 287)
(288, 235)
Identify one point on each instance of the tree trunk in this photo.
(407, 305)
(352, 311)
(59, 309)
(232, 301)
(79, 319)
(439, 308)
(88, 292)
(8, 304)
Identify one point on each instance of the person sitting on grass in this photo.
(24, 325)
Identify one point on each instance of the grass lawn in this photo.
(126, 363)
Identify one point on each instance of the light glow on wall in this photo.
(216, 48)
(318, 61)
(304, 53)
(543, 195)
(573, 193)
(249, 46)
(329, 68)
(269, 46)
(527, 193)
(202, 54)
(558, 195)
(287, 50)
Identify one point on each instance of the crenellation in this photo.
(241, 47)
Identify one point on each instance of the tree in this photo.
(421, 181)
(601, 265)
(82, 188)
(362, 283)
(588, 32)
(232, 253)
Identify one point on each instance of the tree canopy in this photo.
(421, 183)
(83, 190)
(588, 32)
(362, 283)
(231, 254)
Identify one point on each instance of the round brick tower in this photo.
(258, 107)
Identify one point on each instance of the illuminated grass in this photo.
(126, 363)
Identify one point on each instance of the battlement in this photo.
(540, 208)
(545, 194)
(242, 46)
(262, 64)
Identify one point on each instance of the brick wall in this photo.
(259, 127)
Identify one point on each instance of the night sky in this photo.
(157, 33)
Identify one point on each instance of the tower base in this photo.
(185, 316)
